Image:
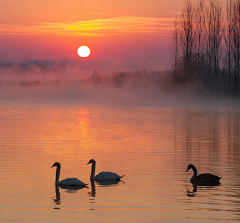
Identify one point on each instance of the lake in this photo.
(150, 143)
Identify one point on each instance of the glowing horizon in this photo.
(96, 27)
(119, 33)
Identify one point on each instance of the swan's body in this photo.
(102, 175)
(73, 182)
(203, 179)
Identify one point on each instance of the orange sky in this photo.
(116, 30)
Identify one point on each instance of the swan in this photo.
(102, 175)
(73, 182)
(203, 179)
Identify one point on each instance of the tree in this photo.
(229, 40)
(174, 50)
(187, 38)
(236, 42)
(214, 37)
(198, 46)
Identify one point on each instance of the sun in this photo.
(83, 51)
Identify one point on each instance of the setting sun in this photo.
(83, 51)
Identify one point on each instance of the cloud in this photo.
(97, 27)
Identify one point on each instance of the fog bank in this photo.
(129, 88)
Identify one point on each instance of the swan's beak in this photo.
(52, 166)
(88, 163)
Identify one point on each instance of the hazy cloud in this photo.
(97, 27)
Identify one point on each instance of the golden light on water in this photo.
(152, 154)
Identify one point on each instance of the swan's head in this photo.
(190, 166)
(91, 161)
(57, 164)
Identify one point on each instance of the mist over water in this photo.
(126, 88)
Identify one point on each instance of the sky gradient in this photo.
(136, 32)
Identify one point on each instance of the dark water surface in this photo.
(152, 146)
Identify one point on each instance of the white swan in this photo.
(102, 175)
(73, 182)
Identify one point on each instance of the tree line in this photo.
(206, 44)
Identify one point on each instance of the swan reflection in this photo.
(194, 190)
(92, 193)
(103, 183)
(72, 189)
(57, 198)
(191, 193)
(68, 189)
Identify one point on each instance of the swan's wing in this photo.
(206, 179)
(107, 176)
(108, 182)
(71, 182)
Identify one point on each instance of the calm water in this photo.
(151, 145)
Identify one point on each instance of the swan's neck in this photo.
(57, 174)
(194, 173)
(93, 171)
